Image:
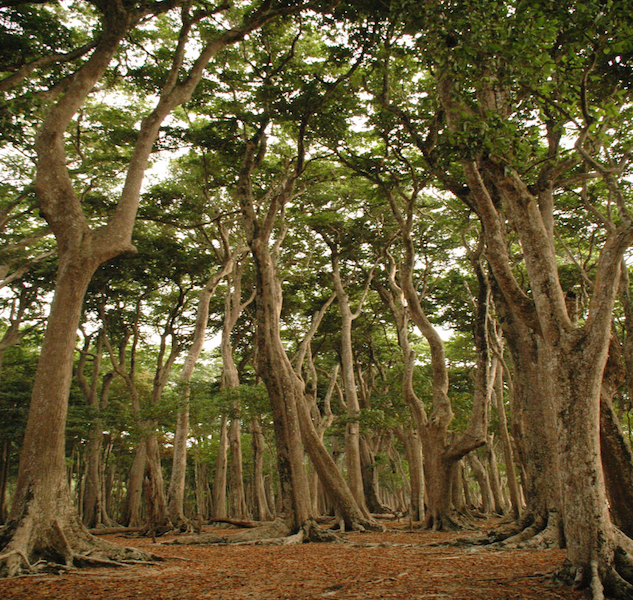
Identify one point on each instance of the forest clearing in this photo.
(397, 564)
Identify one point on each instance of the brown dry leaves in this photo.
(395, 564)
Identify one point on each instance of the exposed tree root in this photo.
(273, 533)
(241, 524)
(448, 522)
(612, 581)
(113, 530)
(30, 546)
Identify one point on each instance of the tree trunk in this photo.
(506, 444)
(5, 456)
(352, 405)
(370, 477)
(156, 520)
(535, 431)
(413, 453)
(615, 449)
(233, 308)
(440, 455)
(237, 493)
(493, 475)
(219, 480)
(43, 521)
(291, 415)
(176, 492)
(93, 491)
(262, 510)
(481, 476)
(132, 513)
(42, 509)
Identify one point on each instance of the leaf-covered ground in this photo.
(394, 564)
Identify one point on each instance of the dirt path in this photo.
(394, 564)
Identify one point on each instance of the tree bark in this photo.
(219, 480)
(615, 449)
(262, 510)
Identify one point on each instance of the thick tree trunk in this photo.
(438, 476)
(156, 520)
(413, 454)
(42, 511)
(535, 430)
(617, 463)
(615, 449)
(132, 511)
(575, 353)
(42, 518)
(237, 493)
(588, 529)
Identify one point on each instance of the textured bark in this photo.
(576, 354)
(616, 454)
(132, 510)
(533, 415)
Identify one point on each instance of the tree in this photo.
(42, 520)
(513, 177)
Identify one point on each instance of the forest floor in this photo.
(398, 563)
